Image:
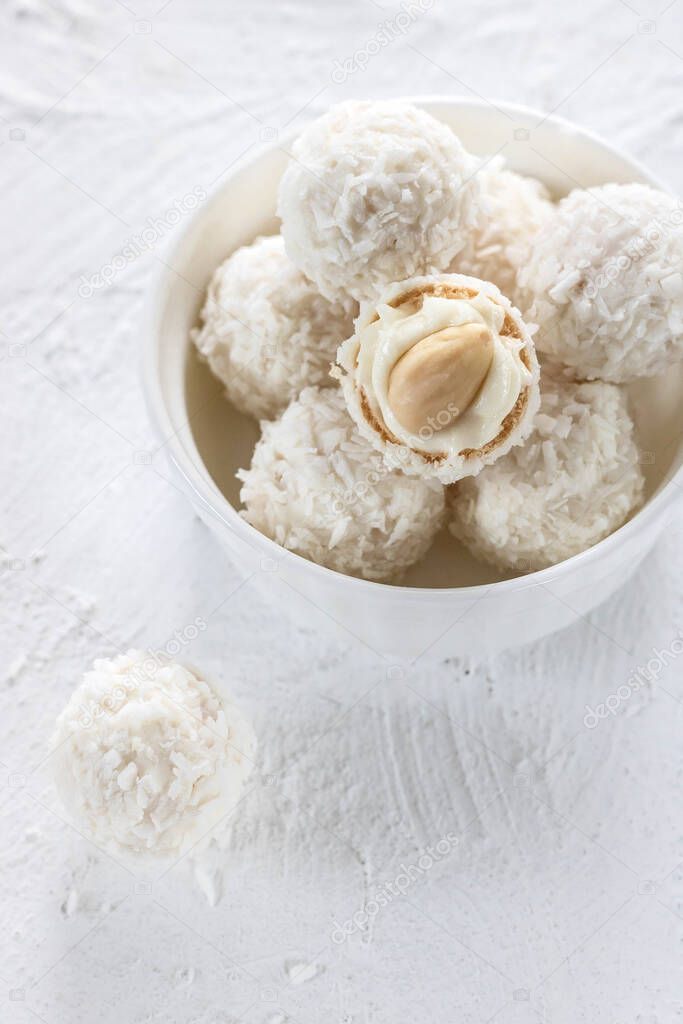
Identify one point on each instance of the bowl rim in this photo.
(205, 491)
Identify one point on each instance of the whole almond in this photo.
(436, 380)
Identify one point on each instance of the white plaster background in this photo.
(562, 901)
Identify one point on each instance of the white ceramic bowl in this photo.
(449, 604)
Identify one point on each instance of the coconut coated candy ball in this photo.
(376, 193)
(575, 480)
(266, 331)
(149, 757)
(606, 275)
(316, 487)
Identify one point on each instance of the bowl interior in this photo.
(218, 440)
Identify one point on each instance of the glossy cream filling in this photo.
(383, 342)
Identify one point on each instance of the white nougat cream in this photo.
(384, 341)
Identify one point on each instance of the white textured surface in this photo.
(541, 911)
